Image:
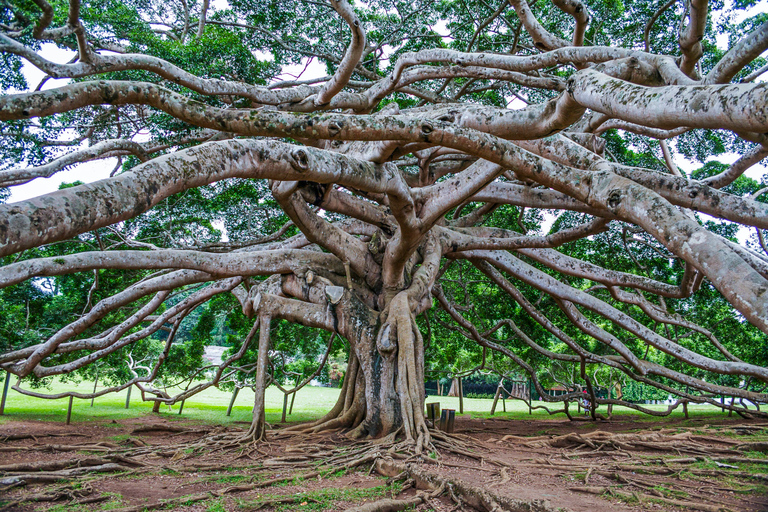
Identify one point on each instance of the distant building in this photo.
(213, 355)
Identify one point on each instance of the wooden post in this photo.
(433, 412)
(447, 417)
(293, 399)
(461, 395)
(69, 409)
(181, 407)
(95, 382)
(530, 396)
(232, 402)
(496, 398)
(285, 407)
(5, 392)
(128, 397)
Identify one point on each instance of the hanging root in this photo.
(349, 410)
(410, 376)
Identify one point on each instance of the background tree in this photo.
(417, 174)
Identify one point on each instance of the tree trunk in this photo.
(454, 390)
(383, 390)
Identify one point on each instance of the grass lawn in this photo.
(311, 403)
(210, 405)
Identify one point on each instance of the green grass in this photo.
(216, 506)
(311, 403)
(207, 406)
(115, 501)
(322, 499)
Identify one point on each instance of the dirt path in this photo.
(711, 465)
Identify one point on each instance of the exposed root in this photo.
(88, 447)
(61, 493)
(654, 441)
(393, 505)
(349, 410)
(389, 505)
(695, 505)
(477, 498)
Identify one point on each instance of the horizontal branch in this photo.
(257, 263)
(736, 107)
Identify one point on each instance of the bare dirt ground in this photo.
(158, 462)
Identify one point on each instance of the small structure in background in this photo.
(213, 354)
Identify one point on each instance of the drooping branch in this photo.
(741, 54)
(542, 38)
(251, 263)
(536, 278)
(578, 10)
(351, 56)
(489, 238)
(65, 213)
(102, 149)
(726, 107)
(692, 33)
(738, 168)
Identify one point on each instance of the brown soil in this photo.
(523, 467)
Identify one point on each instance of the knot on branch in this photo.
(386, 342)
(570, 85)
(614, 199)
(334, 129)
(300, 160)
(334, 294)
(448, 117)
(427, 128)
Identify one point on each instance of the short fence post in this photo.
(433, 412)
(530, 396)
(69, 409)
(95, 383)
(5, 392)
(232, 402)
(447, 418)
(496, 398)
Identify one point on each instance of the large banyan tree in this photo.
(410, 183)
